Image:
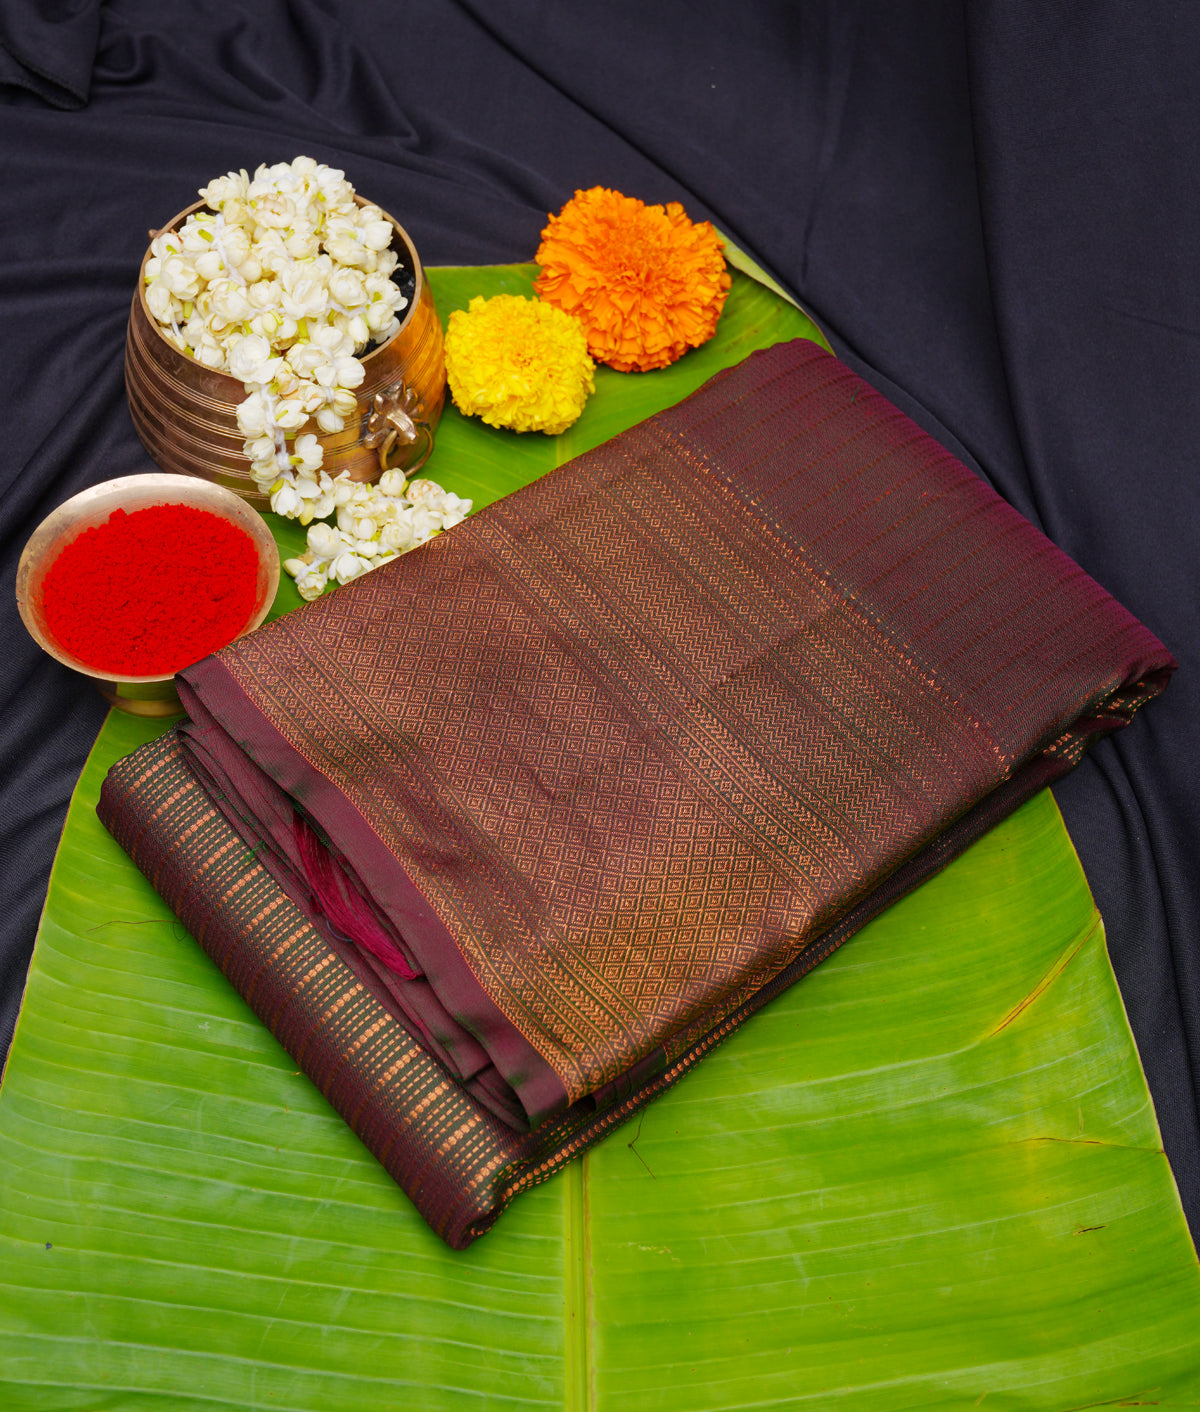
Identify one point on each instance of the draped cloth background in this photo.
(989, 207)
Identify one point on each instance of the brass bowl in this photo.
(141, 696)
(186, 414)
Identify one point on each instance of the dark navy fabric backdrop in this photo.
(992, 208)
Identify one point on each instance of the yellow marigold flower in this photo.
(518, 363)
(647, 282)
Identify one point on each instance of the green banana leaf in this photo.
(929, 1176)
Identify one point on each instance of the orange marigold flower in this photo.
(646, 282)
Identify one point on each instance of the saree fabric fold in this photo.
(504, 837)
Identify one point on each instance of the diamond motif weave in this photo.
(634, 748)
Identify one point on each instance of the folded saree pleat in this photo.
(503, 837)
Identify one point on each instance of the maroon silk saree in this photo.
(504, 837)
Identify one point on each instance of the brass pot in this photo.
(186, 414)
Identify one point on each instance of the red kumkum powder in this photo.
(151, 591)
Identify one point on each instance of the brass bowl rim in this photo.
(93, 506)
(178, 220)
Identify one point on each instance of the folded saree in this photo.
(503, 838)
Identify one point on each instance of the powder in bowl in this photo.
(149, 591)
